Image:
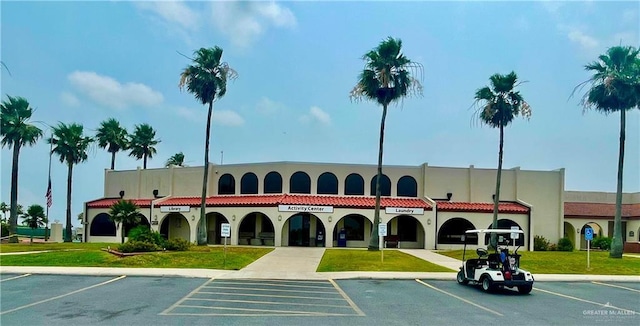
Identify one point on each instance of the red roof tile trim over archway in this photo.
(504, 207)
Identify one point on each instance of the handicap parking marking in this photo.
(459, 298)
(607, 305)
(62, 295)
(15, 277)
(616, 286)
(265, 298)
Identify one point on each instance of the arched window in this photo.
(354, 184)
(226, 185)
(327, 184)
(407, 187)
(506, 224)
(273, 183)
(385, 185)
(300, 183)
(102, 226)
(452, 230)
(249, 184)
(143, 222)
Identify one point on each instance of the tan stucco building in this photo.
(313, 204)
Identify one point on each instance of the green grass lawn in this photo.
(345, 260)
(90, 255)
(559, 262)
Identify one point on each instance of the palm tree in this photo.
(176, 159)
(124, 212)
(16, 132)
(615, 87)
(388, 77)
(143, 142)
(110, 134)
(71, 145)
(34, 218)
(498, 106)
(206, 79)
(4, 208)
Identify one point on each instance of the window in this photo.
(407, 228)
(354, 227)
(327, 184)
(300, 183)
(102, 226)
(143, 222)
(354, 185)
(452, 231)
(273, 183)
(407, 187)
(226, 185)
(249, 184)
(506, 224)
(385, 186)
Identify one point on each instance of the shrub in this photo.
(137, 246)
(564, 244)
(552, 247)
(540, 243)
(178, 244)
(5, 230)
(603, 243)
(142, 233)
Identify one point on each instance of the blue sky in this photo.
(85, 62)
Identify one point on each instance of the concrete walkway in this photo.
(284, 262)
(430, 256)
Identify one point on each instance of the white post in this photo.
(588, 249)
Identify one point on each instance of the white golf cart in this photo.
(495, 270)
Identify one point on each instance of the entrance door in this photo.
(299, 230)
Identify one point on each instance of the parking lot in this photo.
(125, 300)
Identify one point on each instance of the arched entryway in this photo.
(506, 224)
(597, 232)
(214, 220)
(453, 230)
(304, 230)
(409, 231)
(102, 226)
(256, 229)
(357, 230)
(570, 233)
(175, 226)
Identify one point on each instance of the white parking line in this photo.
(291, 312)
(272, 303)
(616, 286)
(270, 295)
(63, 295)
(279, 285)
(13, 278)
(459, 298)
(274, 290)
(165, 312)
(346, 297)
(587, 301)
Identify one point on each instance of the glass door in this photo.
(299, 230)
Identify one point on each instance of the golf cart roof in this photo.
(500, 231)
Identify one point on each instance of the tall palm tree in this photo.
(615, 87)
(143, 142)
(176, 159)
(34, 218)
(388, 77)
(207, 80)
(498, 106)
(71, 145)
(112, 136)
(16, 132)
(124, 212)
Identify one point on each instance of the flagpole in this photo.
(46, 227)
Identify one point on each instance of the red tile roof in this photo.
(108, 202)
(572, 209)
(505, 208)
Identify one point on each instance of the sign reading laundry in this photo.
(404, 210)
(305, 208)
(171, 209)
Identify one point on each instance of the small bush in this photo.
(137, 246)
(5, 229)
(564, 244)
(603, 243)
(142, 233)
(540, 243)
(552, 247)
(178, 244)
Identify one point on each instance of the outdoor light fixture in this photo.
(121, 193)
(428, 221)
(155, 217)
(329, 218)
(233, 218)
(449, 195)
(193, 217)
(279, 217)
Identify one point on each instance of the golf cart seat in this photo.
(494, 260)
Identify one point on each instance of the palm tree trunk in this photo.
(374, 243)
(617, 241)
(496, 199)
(31, 239)
(113, 160)
(121, 232)
(202, 223)
(144, 161)
(13, 215)
(67, 237)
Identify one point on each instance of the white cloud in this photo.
(244, 21)
(109, 92)
(316, 114)
(69, 99)
(227, 118)
(268, 106)
(176, 12)
(197, 116)
(586, 42)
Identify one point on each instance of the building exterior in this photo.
(322, 204)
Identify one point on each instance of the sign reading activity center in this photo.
(305, 208)
(404, 210)
(172, 209)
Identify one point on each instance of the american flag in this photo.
(48, 195)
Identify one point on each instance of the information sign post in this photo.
(225, 232)
(382, 232)
(588, 235)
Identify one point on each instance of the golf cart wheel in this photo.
(525, 289)
(487, 284)
(461, 279)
